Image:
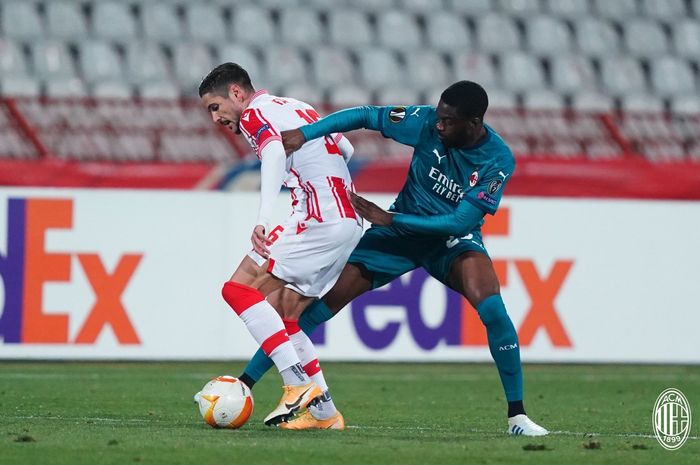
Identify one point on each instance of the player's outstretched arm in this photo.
(340, 121)
(458, 223)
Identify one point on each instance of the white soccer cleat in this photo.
(197, 397)
(521, 425)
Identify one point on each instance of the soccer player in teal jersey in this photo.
(457, 174)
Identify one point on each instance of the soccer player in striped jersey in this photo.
(295, 262)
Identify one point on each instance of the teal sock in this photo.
(315, 314)
(503, 343)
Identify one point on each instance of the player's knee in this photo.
(492, 311)
(477, 294)
(289, 304)
(240, 297)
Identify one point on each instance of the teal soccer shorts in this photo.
(388, 254)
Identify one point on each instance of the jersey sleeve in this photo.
(458, 223)
(257, 129)
(404, 124)
(488, 186)
(272, 174)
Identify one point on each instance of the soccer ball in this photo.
(225, 402)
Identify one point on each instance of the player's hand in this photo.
(370, 211)
(292, 140)
(260, 241)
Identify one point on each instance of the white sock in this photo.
(294, 375)
(307, 354)
(324, 408)
(266, 327)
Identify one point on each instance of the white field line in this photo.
(352, 427)
(474, 430)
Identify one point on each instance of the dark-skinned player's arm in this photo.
(458, 223)
(392, 122)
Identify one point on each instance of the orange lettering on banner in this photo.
(498, 224)
(543, 292)
(42, 267)
(108, 308)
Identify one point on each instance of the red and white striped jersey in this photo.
(317, 173)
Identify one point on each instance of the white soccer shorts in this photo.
(309, 255)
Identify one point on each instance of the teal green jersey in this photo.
(440, 180)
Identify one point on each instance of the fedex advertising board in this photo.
(137, 275)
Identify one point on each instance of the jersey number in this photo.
(311, 116)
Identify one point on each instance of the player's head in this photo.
(461, 114)
(226, 92)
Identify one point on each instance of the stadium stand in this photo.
(567, 79)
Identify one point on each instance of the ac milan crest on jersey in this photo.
(473, 179)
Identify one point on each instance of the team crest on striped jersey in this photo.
(397, 114)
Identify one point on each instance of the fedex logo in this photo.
(26, 266)
(461, 325)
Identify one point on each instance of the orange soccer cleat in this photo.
(307, 421)
(293, 399)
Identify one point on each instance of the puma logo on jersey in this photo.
(503, 175)
(439, 157)
(415, 112)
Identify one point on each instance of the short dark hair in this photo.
(468, 97)
(222, 76)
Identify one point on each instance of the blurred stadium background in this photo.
(579, 88)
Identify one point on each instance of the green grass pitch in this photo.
(126, 413)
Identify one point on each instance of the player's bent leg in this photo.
(262, 321)
(291, 304)
(503, 344)
(354, 280)
(311, 318)
(266, 326)
(473, 275)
